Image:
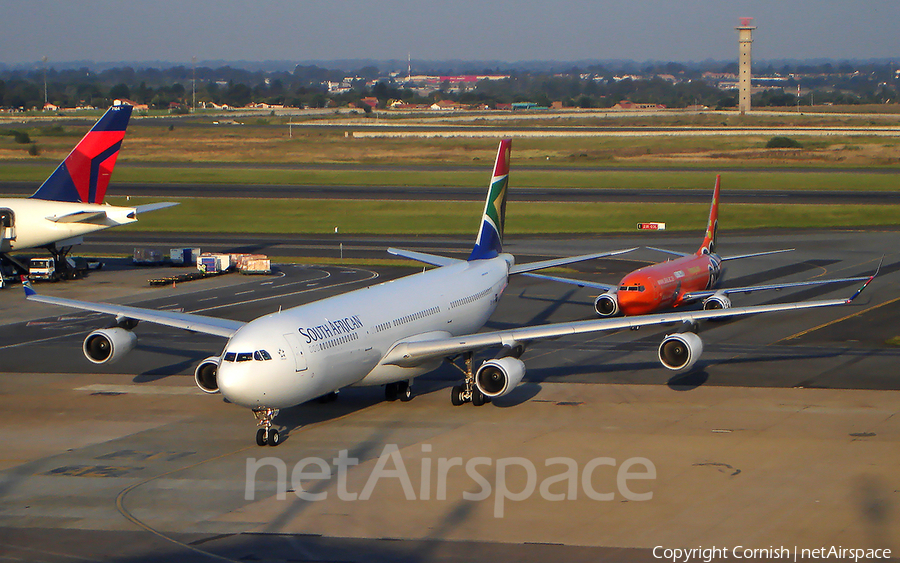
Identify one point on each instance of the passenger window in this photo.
(229, 357)
(244, 356)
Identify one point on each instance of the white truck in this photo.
(47, 269)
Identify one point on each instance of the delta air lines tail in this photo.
(84, 175)
(69, 204)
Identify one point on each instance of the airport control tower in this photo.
(745, 38)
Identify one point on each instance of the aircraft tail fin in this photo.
(84, 175)
(712, 227)
(490, 235)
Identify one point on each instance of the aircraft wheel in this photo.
(478, 397)
(406, 393)
(457, 395)
(261, 437)
(274, 437)
(391, 392)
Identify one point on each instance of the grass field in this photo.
(254, 150)
(311, 216)
(261, 140)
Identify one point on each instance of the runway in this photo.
(784, 434)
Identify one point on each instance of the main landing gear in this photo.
(399, 390)
(467, 392)
(266, 434)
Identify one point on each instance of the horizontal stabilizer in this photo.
(154, 206)
(532, 266)
(423, 257)
(79, 217)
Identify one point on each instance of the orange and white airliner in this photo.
(674, 283)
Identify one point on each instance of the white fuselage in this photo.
(34, 228)
(340, 341)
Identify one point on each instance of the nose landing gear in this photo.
(266, 434)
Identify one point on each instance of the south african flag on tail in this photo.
(489, 243)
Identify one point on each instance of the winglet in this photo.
(489, 242)
(26, 284)
(868, 281)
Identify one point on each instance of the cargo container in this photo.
(148, 257)
(183, 256)
(255, 266)
(210, 262)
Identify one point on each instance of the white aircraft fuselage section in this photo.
(34, 226)
(340, 341)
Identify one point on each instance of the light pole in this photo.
(44, 61)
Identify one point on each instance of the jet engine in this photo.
(717, 301)
(680, 351)
(108, 345)
(607, 304)
(205, 374)
(499, 376)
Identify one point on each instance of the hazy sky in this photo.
(507, 30)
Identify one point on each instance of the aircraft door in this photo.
(296, 348)
(7, 224)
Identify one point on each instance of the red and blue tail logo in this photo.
(84, 175)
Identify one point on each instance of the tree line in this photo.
(591, 86)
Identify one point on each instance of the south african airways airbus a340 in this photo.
(386, 334)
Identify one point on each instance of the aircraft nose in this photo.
(236, 384)
(635, 298)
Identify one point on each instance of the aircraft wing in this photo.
(673, 252)
(187, 321)
(579, 283)
(694, 295)
(531, 266)
(423, 257)
(741, 256)
(412, 353)
(436, 260)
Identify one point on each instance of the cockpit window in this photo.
(244, 356)
(261, 355)
(229, 357)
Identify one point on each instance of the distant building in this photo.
(135, 105)
(626, 105)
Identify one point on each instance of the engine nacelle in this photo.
(680, 351)
(498, 377)
(717, 301)
(206, 374)
(108, 345)
(607, 304)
